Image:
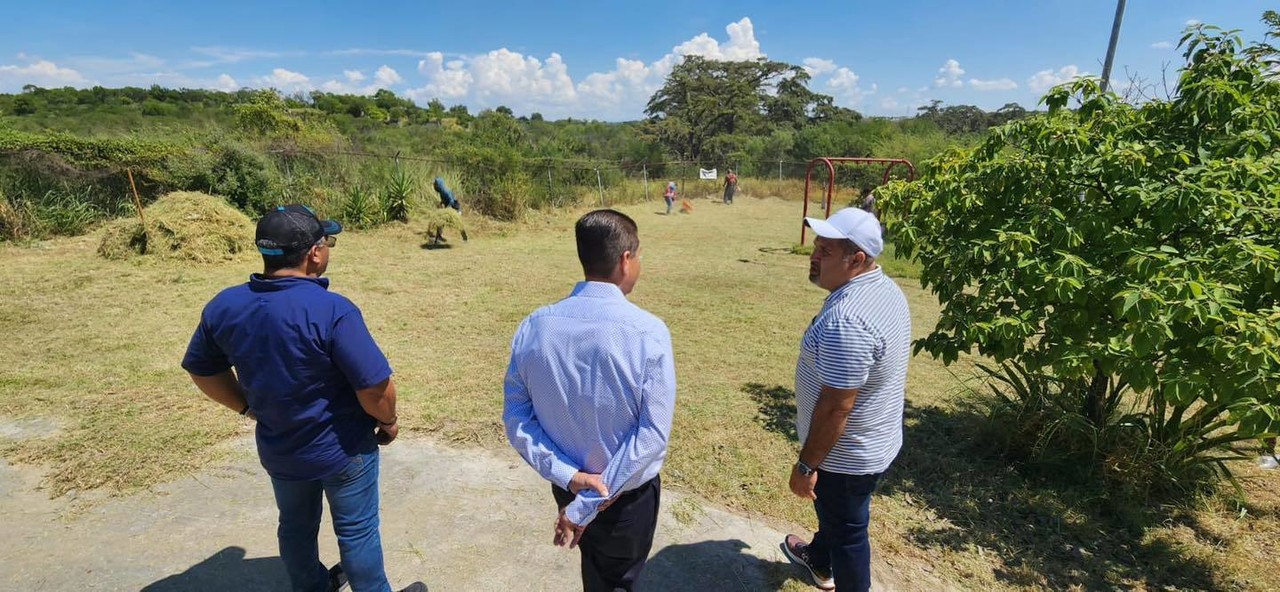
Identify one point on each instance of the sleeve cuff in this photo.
(582, 512)
(561, 473)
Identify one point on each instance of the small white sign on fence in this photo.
(707, 174)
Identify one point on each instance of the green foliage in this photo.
(258, 148)
(1131, 253)
(396, 195)
(90, 152)
(235, 171)
(703, 99)
(361, 208)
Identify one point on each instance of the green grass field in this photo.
(95, 345)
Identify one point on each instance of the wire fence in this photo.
(554, 176)
(47, 196)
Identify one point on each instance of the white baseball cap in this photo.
(854, 224)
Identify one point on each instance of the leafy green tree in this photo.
(1124, 258)
(435, 110)
(460, 114)
(24, 105)
(703, 99)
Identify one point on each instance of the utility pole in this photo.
(1111, 47)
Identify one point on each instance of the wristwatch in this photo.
(804, 469)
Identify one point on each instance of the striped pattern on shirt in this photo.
(860, 340)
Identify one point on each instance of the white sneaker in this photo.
(1268, 461)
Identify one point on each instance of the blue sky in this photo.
(600, 59)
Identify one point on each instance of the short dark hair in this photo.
(289, 260)
(603, 236)
(273, 263)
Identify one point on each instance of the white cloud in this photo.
(818, 66)
(1001, 84)
(109, 66)
(451, 81)
(1047, 79)
(226, 83)
(949, 75)
(286, 81)
(525, 83)
(890, 104)
(386, 77)
(1161, 45)
(41, 73)
(843, 86)
(1193, 22)
(232, 55)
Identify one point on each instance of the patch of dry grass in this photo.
(97, 343)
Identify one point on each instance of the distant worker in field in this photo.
(850, 391)
(730, 186)
(286, 352)
(447, 200)
(669, 195)
(588, 401)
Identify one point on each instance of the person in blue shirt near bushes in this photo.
(285, 351)
(447, 200)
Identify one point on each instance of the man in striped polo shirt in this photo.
(850, 384)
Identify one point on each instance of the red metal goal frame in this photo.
(831, 178)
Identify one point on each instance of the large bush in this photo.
(1124, 261)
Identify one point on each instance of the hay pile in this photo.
(439, 219)
(182, 226)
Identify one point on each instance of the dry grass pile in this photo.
(181, 226)
(440, 219)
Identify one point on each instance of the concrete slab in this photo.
(457, 519)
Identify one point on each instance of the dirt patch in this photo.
(28, 427)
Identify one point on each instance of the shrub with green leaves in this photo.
(361, 208)
(1132, 253)
(396, 195)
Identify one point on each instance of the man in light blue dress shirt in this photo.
(589, 396)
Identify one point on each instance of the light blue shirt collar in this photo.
(590, 289)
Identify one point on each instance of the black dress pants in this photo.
(616, 544)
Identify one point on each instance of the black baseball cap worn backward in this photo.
(292, 228)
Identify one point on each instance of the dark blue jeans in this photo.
(842, 543)
(353, 504)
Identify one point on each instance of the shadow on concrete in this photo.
(713, 565)
(227, 570)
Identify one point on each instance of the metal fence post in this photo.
(600, 186)
(645, 170)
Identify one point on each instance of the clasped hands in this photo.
(566, 532)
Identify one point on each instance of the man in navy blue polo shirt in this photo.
(284, 350)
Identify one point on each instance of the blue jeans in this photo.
(353, 505)
(842, 543)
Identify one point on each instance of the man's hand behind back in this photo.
(387, 433)
(581, 481)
